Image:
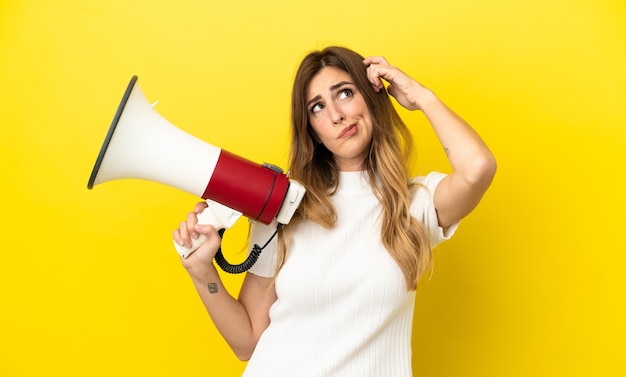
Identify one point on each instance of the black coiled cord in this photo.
(248, 263)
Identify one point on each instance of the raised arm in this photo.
(240, 321)
(473, 165)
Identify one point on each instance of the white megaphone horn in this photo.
(141, 144)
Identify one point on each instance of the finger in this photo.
(177, 237)
(212, 237)
(200, 206)
(206, 229)
(181, 235)
(375, 60)
(374, 77)
(192, 220)
(374, 74)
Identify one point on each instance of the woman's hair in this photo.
(313, 165)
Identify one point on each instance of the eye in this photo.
(345, 93)
(317, 108)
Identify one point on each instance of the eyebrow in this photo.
(332, 87)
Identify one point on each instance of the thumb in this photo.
(213, 239)
(206, 229)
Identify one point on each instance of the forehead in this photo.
(323, 81)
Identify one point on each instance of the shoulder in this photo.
(423, 207)
(427, 184)
(263, 236)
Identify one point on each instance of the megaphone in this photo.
(141, 144)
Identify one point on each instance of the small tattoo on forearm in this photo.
(446, 150)
(212, 288)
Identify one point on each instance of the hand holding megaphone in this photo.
(141, 144)
(216, 215)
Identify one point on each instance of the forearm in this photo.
(467, 153)
(473, 164)
(228, 314)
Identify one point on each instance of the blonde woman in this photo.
(333, 295)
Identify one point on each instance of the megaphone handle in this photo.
(217, 215)
(184, 252)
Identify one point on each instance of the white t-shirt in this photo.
(343, 308)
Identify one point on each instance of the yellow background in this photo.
(532, 285)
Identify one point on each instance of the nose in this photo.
(336, 114)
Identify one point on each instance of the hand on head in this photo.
(401, 86)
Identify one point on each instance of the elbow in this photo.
(243, 346)
(483, 171)
(489, 166)
(244, 354)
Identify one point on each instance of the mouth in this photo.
(347, 132)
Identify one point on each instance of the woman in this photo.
(334, 294)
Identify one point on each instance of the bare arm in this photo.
(240, 321)
(473, 165)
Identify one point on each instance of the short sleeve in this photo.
(423, 208)
(260, 234)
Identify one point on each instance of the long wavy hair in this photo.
(311, 164)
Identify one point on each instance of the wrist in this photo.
(201, 275)
(425, 99)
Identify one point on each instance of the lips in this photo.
(347, 132)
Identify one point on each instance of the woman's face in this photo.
(340, 118)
